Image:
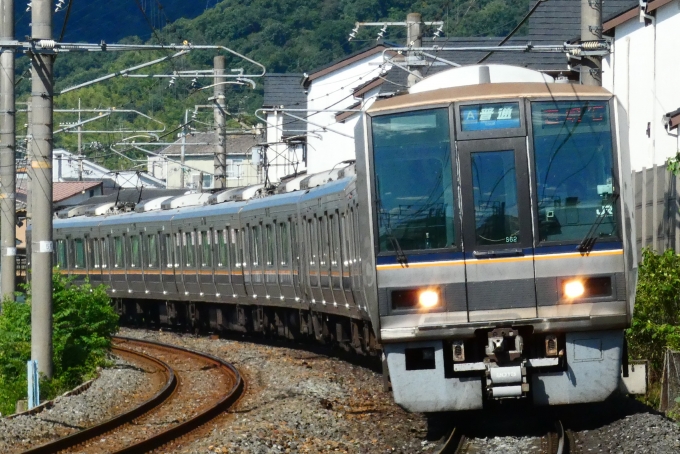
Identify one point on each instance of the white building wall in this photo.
(645, 79)
(326, 148)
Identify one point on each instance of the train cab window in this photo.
(413, 180)
(79, 253)
(269, 238)
(118, 255)
(135, 253)
(284, 244)
(61, 254)
(152, 250)
(575, 184)
(206, 250)
(494, 192)
(189, 249)
(94, 253)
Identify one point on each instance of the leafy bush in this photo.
(84, 321)
(656, 321)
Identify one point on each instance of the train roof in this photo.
(510, 90)
(289, 198)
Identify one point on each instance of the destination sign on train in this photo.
(482, 117)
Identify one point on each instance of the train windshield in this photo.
(574, 170)
(413, 180)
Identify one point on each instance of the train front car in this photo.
(499, 262)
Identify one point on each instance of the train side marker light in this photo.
(574, 289)
(428, 298)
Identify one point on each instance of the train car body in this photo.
(484, 245)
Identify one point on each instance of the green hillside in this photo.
(283, 35)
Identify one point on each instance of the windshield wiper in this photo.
(401, 257)
(588, 242)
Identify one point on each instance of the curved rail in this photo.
(454, 444)
(168, 390)
(91, 432)
(187, 426)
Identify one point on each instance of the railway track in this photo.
(556, 441)
(197, 388)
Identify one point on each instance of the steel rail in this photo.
(187, 426)
(455, 443)
(155, 402)
(85, 435)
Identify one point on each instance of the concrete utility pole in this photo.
(41, 164)
(220, 124)
(414, 39)
(29, 172)
(7, 154)
(591, 30)
(80, 145)
(183, 152)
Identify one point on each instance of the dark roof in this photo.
(672, 119)
(236, 144)
(556, 21)
(364, 88)
(286, 90)
(630, 11)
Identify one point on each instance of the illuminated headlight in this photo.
(428, 298)
(574, 289)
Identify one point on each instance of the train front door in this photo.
(497, 230)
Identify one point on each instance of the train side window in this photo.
(284, 244)
(206, 250)
(239, 245)
(323, 238)
(355, 239)
(314, 246)
(79, 253)
(178, 249)
(344, 239)
(221, 248)
(105, 252)
(118, 252)
(152, 250)
(61, 254)
(135, 255)
(189, 252)
(255, 241)
(169, 250)
(94, 253)
(294, 243)
(269, 233)
(335, 240)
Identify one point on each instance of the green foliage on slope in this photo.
(84, 321)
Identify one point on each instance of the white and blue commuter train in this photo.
(483, 241)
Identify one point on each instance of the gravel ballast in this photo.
(118, 388)
(299, 400)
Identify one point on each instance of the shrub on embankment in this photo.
(656, 319)
(84, 321)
